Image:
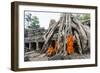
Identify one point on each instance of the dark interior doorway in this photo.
(33, 46)
(26, 45)
(40, 45)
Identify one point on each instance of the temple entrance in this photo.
(33, 46)
(26, 45)
(40, 45)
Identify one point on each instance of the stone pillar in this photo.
(37, 46)
(29, 45)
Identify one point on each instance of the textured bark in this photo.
(83, 37)
(78, 42)
(48, 36)
(87, 31)
(64, 26)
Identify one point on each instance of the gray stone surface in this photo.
(35, 56)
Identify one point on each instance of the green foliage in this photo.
(85, 17)
(33, 21)
(28, 17)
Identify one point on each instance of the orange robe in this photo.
(70, 44)
(51, 51)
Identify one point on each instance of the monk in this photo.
(52, 49)
(70, 44)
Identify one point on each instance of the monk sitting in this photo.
(52, 50)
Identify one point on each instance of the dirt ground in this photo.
(36, 56)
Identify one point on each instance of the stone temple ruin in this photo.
(54, 42)
(34, 39)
